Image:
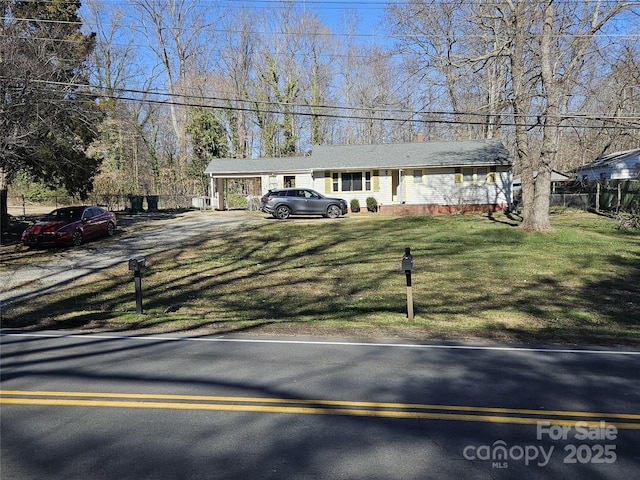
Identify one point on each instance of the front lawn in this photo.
(475, 277)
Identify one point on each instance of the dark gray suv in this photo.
(284, 202)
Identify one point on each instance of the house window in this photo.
(289, 181)
(417, 176)
(352, 182)
(475, 175)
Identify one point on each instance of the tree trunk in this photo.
(4, 189)
(537, 218)
(520, 101)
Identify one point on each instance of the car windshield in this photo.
(64, 214)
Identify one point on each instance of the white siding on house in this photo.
(436, 186)
(617, 166)
(618, 171)
(320, 184)
(623, 171)
(302, 180)
(439, 187)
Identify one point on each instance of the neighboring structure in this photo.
(615, 166)
(409, 178)
(559, 186)
(558, 180)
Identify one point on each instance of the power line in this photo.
(40, 20)
(304, 110)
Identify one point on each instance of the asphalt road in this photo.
(100, 406)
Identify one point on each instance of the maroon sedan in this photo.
(70, 226)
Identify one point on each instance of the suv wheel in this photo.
(333, 211)
(282, 212)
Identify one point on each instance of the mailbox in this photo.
(135, 264)
(407, 260)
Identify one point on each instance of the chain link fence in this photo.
(22, 206)
(613, 196)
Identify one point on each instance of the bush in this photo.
(628, 222)
(372, 204)
(355, 205)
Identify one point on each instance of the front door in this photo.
(395, 182)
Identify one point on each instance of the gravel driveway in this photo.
(140, 235)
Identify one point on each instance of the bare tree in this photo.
(237, 65)
(278, 86)
(316, 73)
(613, 93)
(455, 46)
(537, 51)
(113, 68)
(174, 31)
(567, 39)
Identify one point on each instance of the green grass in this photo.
(475, 277)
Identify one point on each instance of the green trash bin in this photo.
(136, 203)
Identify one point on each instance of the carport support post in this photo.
(220, 190)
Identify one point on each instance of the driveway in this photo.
(137, 235)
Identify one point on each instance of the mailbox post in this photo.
(135, 265)
(407, 266)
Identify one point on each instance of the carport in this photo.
(262, 169)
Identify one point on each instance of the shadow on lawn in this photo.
(271, 280)
(617, 297)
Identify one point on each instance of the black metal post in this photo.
(137, 276)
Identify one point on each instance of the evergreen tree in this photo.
(47, 114)
(209, 141)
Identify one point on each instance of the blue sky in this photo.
(332, 11)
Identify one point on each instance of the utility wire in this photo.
(353, 113)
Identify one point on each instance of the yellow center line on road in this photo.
(317, 407)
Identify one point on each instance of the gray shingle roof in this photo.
(611, 159)
(370, 157)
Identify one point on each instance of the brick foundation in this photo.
(438, 209)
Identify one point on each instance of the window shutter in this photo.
(327, 181)
(375, 183)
